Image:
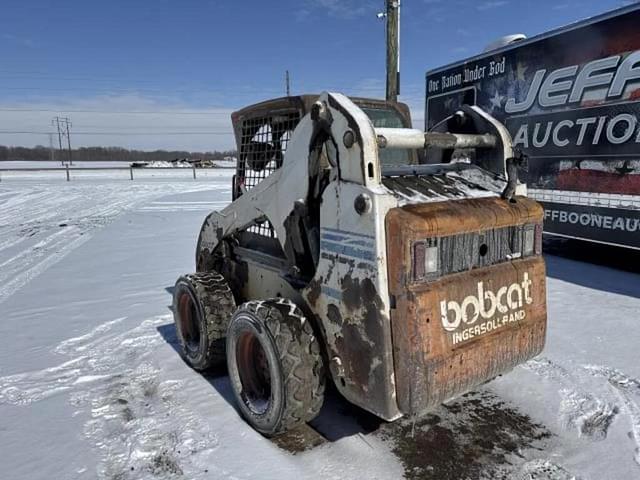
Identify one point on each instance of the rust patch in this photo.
(332, 267)
(357, 294)
(219, 234)
(204, 261)
(333, 314)
(363, 344)
(351, 295)
(314, 290)
(356, 354)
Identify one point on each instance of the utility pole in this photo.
(69, 141)
(288, 85)
(63, 125)
(392, 15)
(56, 123)
(51, 154)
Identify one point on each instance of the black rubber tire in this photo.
(202, 308)
(291, 352)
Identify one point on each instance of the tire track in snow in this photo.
(17, 260)
(139, 422)
(86, 341)
(52, 220)
(625, 387)
(31, 268)
(590, 415)
(10, 243)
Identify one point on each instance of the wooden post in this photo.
(194, 171)
(67, 170)
(393, 50)
(131, 172)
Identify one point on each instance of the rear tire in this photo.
(275, 366)
(202, 307)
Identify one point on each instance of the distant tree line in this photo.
(107, 154)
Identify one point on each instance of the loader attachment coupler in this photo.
(482, 140)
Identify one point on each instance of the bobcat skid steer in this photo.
(406, 279)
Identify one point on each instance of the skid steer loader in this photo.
(406, 279)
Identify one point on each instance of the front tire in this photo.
(275, 366)
(202, 307)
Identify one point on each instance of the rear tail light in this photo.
(538, 239)
(426, 259)
(529, 239)
(431, 260)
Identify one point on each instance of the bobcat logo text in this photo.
(487, 310)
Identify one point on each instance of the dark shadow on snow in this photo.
(168, 332)
(170, 291)
(217, 377)
(601, 267)
(337, 419)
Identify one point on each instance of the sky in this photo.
(150, 74)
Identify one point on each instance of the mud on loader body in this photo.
(406, 282)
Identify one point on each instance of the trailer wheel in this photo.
(202, 307)
(275, 365)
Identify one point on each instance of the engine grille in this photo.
(463, 252)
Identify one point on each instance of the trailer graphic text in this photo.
(569, 84)
(468, 75)
(587, 131)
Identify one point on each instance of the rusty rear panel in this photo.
(456, 331)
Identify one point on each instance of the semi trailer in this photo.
(570, 99)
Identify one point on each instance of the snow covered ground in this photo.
(91, 384)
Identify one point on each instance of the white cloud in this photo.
(18, 40)
(89, 117)
(491, 4)
(344, 9)
(460, 49)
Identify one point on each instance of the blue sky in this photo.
(88, 59)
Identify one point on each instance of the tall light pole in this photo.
(392, 16)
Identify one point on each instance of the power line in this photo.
(120, 125)
(31, 132)
(115, 112)
(144, 83)
(168, 90)
(226, 93)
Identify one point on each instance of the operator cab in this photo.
(262, 134)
